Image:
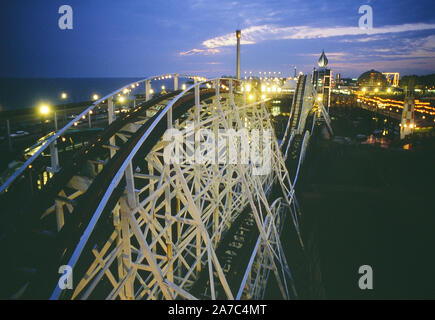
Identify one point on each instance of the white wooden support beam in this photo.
(147, 90)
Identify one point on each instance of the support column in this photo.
(239, 36)
(111, 117)
(54, 157)
(147, 89)
(8, 129)
(55, 121)
(126, 248)
(110, 110)
(175, 82)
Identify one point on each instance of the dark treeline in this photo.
(420, 82)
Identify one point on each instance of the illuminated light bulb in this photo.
(121, 99)
(63, 95)
(263, 97)
(251, 97)
(183, 86)
(151, 91)
(44, 109)
(95, 97)
(163, 87)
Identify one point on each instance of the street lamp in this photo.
(45, 109)
(63, 96)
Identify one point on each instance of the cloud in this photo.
(199, 51)
(366, 39)
(256, 34)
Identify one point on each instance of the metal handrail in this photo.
(29, 161)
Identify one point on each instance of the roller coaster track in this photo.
(138, 226)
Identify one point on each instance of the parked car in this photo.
(19, 134)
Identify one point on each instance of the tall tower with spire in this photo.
(322, 80)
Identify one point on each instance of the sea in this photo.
(19, 93)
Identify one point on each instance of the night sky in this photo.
(135, 38)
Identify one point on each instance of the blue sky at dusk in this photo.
(135, 38)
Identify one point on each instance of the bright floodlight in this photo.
(44, 109)
(64, 95)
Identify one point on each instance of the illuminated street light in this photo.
(63, 95)
(183, 86)
(44, 109)
(95, 97)
(121, 99)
